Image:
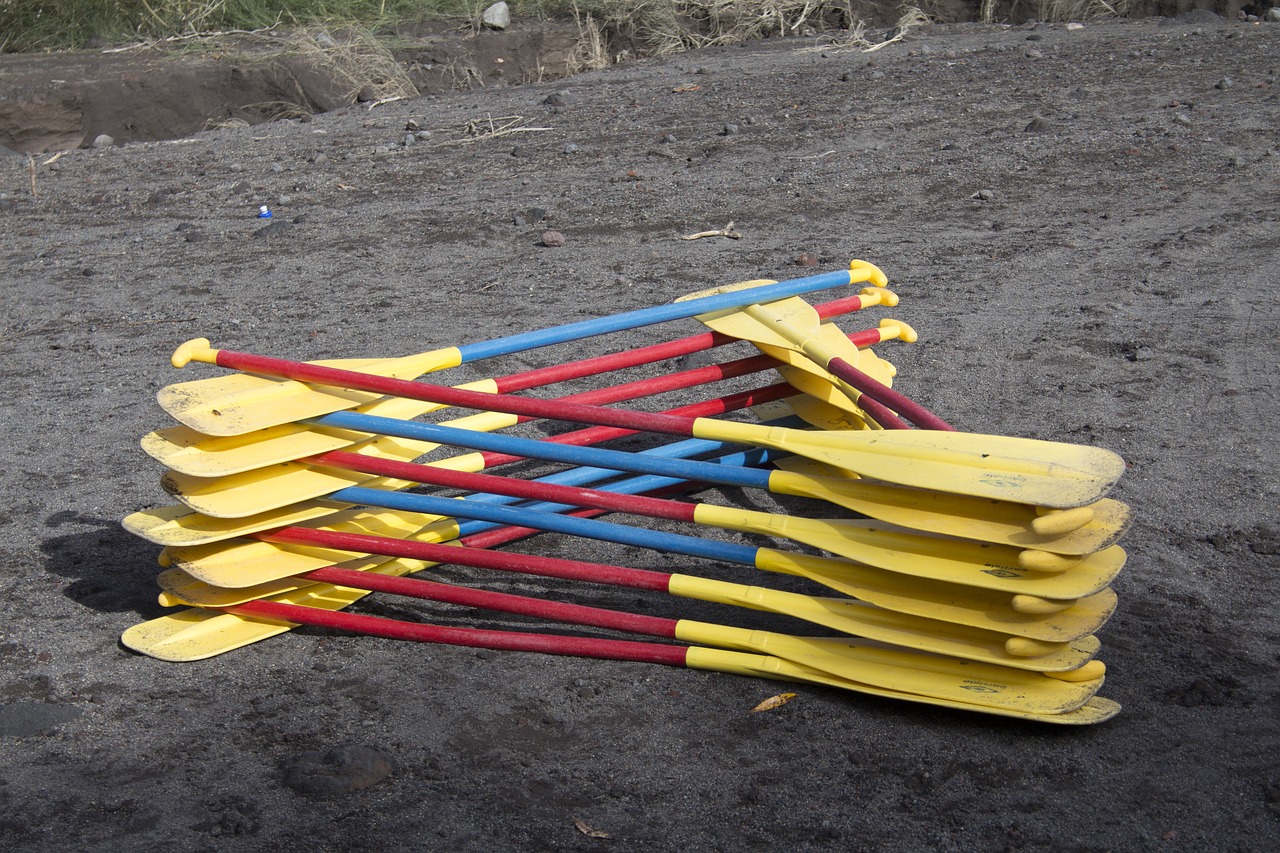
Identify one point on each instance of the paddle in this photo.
(971, 564)
(229, 564)
(832, 535)
(201, 634)
(836, 656)
(792, 324)
(188, 451)
(924, 633)
(206, 404)
(256, 492)
(1022, 470)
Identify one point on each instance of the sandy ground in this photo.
(1081, 224)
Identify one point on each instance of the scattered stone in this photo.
(409, 139)
(103, 140)
(729, 130)
(668, 139)
(412, 126)
(1224, 83)
(555, 99)
(342, 770)
(196, 236)
(1075, 26)
(1034, 54)
(806, 259)
(1035, 37)
(497, 16)
(571, 148)
(1036, 125)
(1272, 16)
(553, 239)
(983, 195)
(1182, 118)
(423, 135)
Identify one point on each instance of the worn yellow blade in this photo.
(216, 406)
(1020, 470)
(191, 452)
(962, 516)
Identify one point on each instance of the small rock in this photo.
(1272, 16)
(729, 130)
(409, 139)
(983, 195)
(412, 126)
(555, 99)
(1182, 118)
(1035, 37)
(423, 135)
(103, 140)
(806, 259)
(196, 237)
(366, 95)
(1036, 125)
(1224, 83)
(668, 139)
(497, 16)
(1034, 54)
(571, 148)
(553, 239)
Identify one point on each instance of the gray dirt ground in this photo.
(1115, 287)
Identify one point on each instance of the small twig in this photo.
(728, 231)
(31, 167)
(815, 156)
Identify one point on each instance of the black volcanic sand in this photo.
(1082, 225)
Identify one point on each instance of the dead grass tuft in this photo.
(355, 59)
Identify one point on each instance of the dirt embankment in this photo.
(171, 90)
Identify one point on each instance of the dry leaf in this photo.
(687, 87)
(588, 831)
(773, 702)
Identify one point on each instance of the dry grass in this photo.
(857, 39)
(1057, 11)
(356, 60)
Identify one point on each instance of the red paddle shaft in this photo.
(552, 644)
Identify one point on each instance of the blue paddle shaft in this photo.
(619, 460)
(650, 316)
(572, 525)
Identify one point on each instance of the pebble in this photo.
(729, 130)
(668, 139)
(984, 195)
(555, 99)
(1036, 125)
(1224, 83)
(571, 148)
(103, 140)
(341, 770)
(554, 239)
(1182, 118)
(806, 259)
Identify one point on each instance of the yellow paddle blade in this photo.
(237, 404)
(962, 516)
(190, 452)
(897, 629)
(1020, 470)
(907, 552)
(180, 527)
(990, 610)
(975, 686)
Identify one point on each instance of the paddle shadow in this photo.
(112, 571)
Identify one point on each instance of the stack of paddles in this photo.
(975, 575)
